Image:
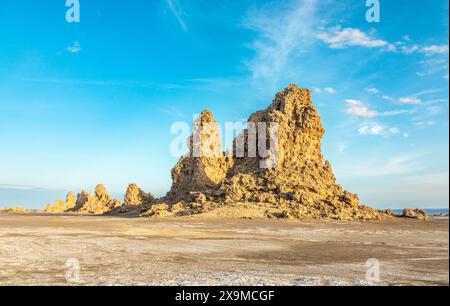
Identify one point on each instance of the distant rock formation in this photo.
(101, 202)
(293, 182)
(15, 211)
(61, 206)
(417, 214)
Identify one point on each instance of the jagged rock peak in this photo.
(135, 196)
(205, 166)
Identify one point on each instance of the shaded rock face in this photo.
(82, 198)
(298, 184)
(389, 212)
(418, 214)
(61, 206)
(204, 167)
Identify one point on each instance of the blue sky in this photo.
(89, 102)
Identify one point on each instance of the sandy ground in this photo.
(46, 250)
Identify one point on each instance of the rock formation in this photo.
(136, 200)
(292, 181)
(100, 203)
(418, 214)
(135, 196)
(389, 212)
(204, 167)
(61, 206)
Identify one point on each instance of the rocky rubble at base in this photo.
(417, 214)
(300, 185)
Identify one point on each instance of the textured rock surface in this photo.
(135, 196)
(100, 203)
(301, 184)
(136, 200)
(61, 206)
(204, 167)
(418, 214)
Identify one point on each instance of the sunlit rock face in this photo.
(291, 180)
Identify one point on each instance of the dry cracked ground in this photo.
(45, 250)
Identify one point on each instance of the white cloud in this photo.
(435, 49)
(74, 47)
(388, 98)
(372, 90)
(377, 129)
(176, 9)
(423, 124)
(413, 99)
(410, 49)
(357, 108)
(395, 112)
(342, 38)
(330, 90)
(410, 100)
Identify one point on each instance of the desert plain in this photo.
(41, 250)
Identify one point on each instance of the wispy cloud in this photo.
(176, 9)
(279, 34)
(75, 47)
(435, 49)
(413, 99)
(372, 90)
(410, 100)
(377, 129)
(402, 164)
(339, 38)
(327, 90)
(358, 108)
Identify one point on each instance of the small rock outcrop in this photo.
(61, 206)
(389, 212)
(291, 181)
(417, 214)
(135, 196)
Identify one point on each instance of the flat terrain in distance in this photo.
(34, 250)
